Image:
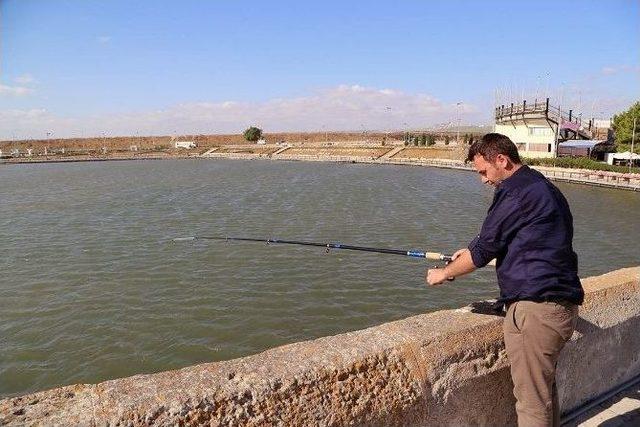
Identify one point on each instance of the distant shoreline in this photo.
(78, 159)
(366, 155)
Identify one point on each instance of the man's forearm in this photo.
(462, 265)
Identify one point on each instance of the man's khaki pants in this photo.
(534, 334)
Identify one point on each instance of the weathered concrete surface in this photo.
(605, 349)
(443, 368)
(620, 410)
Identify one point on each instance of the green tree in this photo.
(423, 139)
(252, 134)
(623, 124)
(416, 140)
(447, 139)
(431, 140)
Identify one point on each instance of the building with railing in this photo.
(537, 128)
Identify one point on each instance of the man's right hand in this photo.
(435, 276)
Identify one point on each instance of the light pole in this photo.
(48, 141)
(556, 143)
(388, 124)
(633, 138)
(364, 133)
(405, 128)
(458, 127)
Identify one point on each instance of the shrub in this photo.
(576, 163)
(252, 134)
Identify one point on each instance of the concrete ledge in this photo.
(442, 368)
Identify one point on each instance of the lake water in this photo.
(93, 288)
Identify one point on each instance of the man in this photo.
(529, 231)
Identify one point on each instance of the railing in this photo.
(626, 181)
(556, 114)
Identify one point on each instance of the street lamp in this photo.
(389, 124)
(47, 144)
(633, 139)
(364, 132)
(458, 127)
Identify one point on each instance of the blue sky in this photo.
(89, 67)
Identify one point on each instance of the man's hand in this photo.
(437, 276)
(458, 253)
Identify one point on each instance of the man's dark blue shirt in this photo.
(529, 230)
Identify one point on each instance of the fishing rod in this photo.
(437, 256)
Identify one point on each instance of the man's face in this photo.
(491, 173)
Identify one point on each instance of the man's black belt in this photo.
(556, 299)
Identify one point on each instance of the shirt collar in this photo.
(506, 183)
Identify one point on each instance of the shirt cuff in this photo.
(479, 256)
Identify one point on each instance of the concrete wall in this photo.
(442, 368)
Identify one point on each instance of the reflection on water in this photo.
(91, 286)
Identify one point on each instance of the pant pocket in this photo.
(517, 316)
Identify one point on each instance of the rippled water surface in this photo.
(92, 288)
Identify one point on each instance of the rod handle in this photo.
(434, 256)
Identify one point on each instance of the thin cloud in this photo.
(345, 107)
(25, 79)
(104, 39)
(14, 90)
(612, 70)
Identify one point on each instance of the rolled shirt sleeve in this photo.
(502, 221)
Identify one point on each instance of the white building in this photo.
(622, 158)
(533, 127)
(602, 123)
(185, 144)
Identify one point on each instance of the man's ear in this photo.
(505, 162)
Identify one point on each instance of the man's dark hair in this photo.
(491, 145)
